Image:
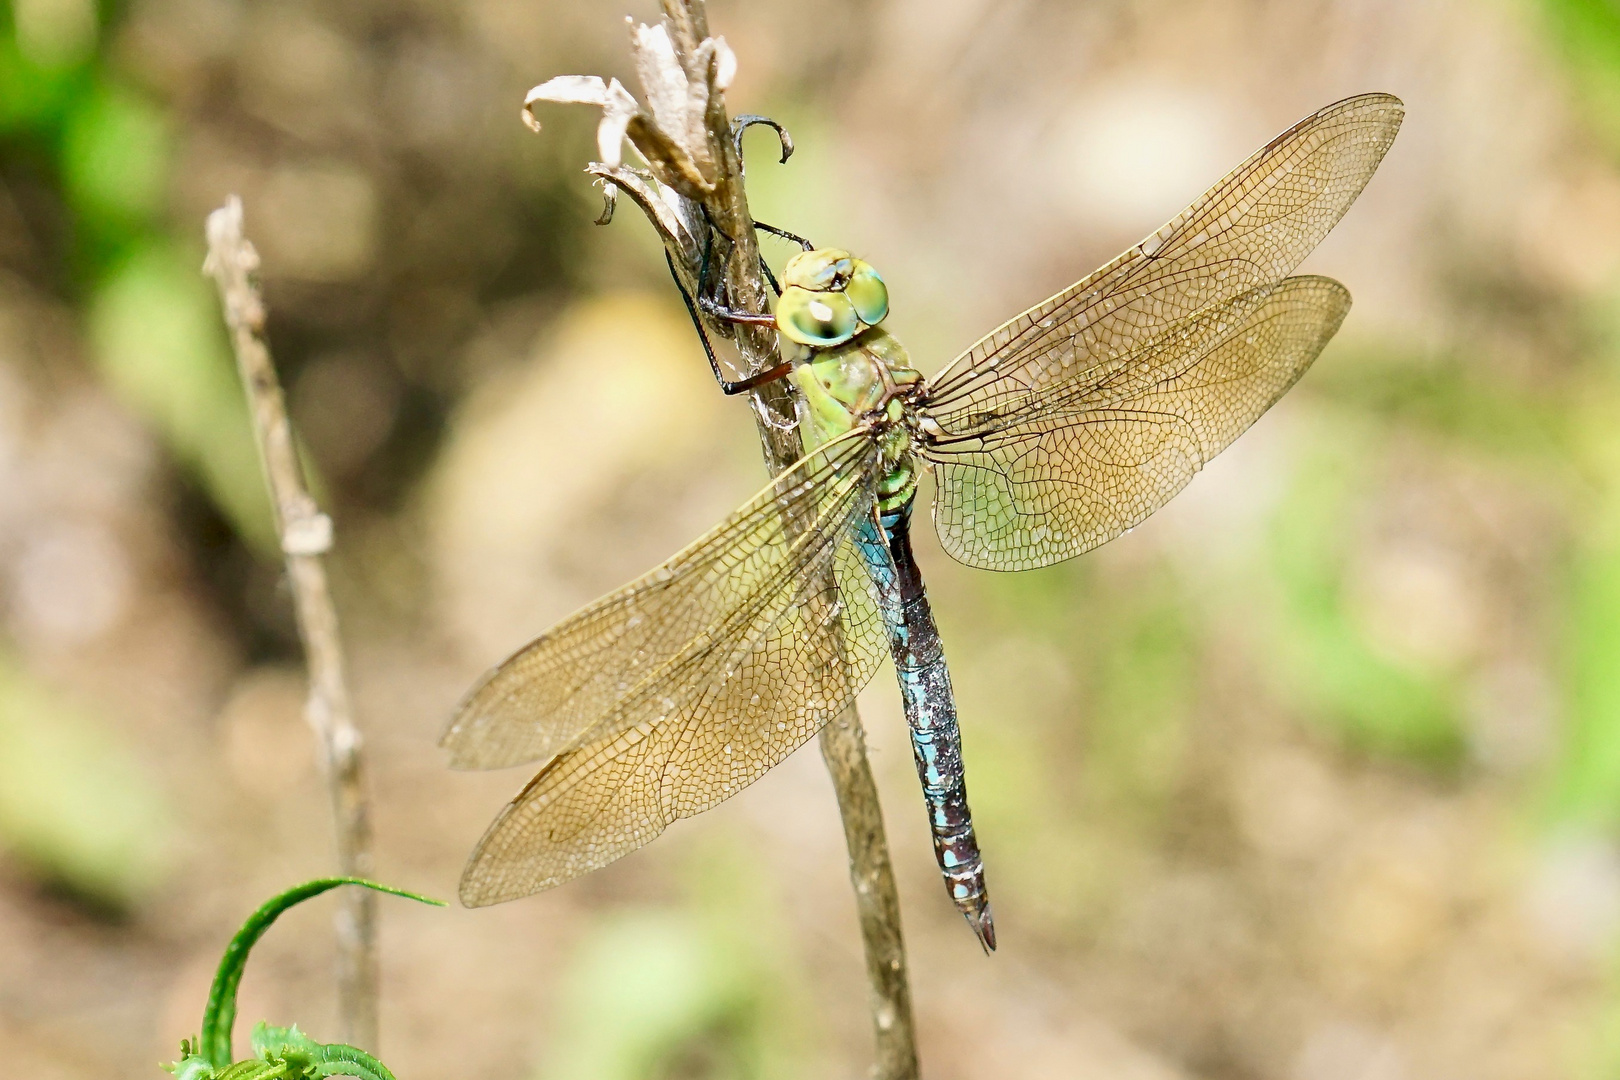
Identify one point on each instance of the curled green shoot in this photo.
(279, 1052)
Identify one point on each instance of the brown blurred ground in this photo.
(1300, 780)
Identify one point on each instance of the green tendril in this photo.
(214, 1045)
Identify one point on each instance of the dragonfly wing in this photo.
(1086, 462)
(1250, 230)
(612, 664)
(673, 694)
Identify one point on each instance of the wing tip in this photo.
(1368, 107)
(468, 753)
(1340, 304)
(480, 737)
(1376, 95)
(1318, 281)
(1371, 100)
(472, 897)
(1388, 107)
(480, 894)
(478, 890)
(489, 879)
(458, 732)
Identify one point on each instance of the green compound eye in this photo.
(868, 293)
(816, 319)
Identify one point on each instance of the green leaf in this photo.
(220, 1014)
(269, 1041)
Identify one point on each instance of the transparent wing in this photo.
(1090, 459)
(673, 694)
(1250, 230)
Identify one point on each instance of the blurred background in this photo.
(1316, 776)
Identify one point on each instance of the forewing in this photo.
(1085, 463)
(675, 693)
(1250, 230)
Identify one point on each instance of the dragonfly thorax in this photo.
(828, 297)
(860, 381)
(864, 382)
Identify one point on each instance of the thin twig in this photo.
(306, 534)
(843, 742)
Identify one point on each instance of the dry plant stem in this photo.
(306, 534)
(877, 902)
(843, 742)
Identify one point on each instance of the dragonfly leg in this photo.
(708, 297)
(713, 291)
(784, 234)
(765, 268)
(709, 289)
(727, 386)
(708, 301)
(750, 318)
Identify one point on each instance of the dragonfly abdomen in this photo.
(936, 745)
(930, 705)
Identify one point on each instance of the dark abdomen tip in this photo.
(984, 927)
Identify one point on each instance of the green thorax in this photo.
(844, 385)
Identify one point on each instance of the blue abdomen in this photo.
(925, 688)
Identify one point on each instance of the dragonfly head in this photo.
(829, 296)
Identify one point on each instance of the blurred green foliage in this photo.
(115, 166)
(1374, 702)
(703, 989)
(645, 988)
(154, 325)
(1447, 398)
(106, 150)
(1589, 31)
(1586, 787)
(74, 802)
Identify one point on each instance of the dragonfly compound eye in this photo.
(867, 292)
(818, 270)
(817, 319)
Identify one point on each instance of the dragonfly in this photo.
(1058, 431)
